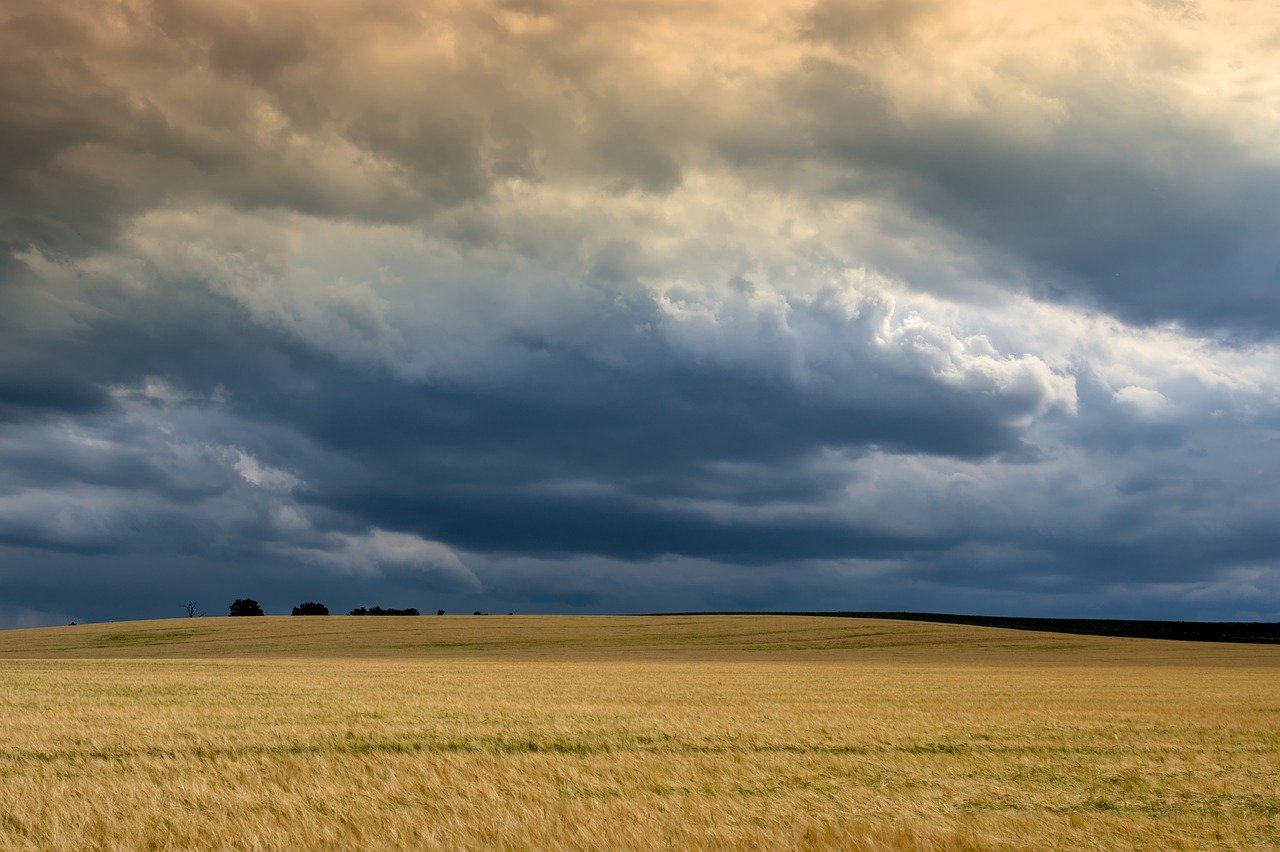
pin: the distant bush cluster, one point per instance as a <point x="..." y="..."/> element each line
<point x="377" y="610"/>
<point x="245" y="606"/>
<point x="248" y="606"/>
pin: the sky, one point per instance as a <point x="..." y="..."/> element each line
<point x="646" y="305"/>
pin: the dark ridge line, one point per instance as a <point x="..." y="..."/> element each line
<point x="1250" y="632"/>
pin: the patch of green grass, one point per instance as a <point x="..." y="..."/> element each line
<point x="140" y="637"/>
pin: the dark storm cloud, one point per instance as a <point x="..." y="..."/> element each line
<point x="572" y="459"/>
<point x="113" y="108"/>
<point x="1121" y="197"/>
<point x="28" y="391"/>
<point x="634" y="306"/>
<point x="1125" y="202"/>
<point x="477" y="468"/>
<point x="480" y="466"/>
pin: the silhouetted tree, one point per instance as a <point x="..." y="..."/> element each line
<point x="377" y="610"/>
<point x="245" y="606"/>
<point x="311" y="608"/>
<point x="439" y="612"/>
<point x="190" y="607"/>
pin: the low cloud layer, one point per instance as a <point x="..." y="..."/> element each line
<point x="626" y="307"/>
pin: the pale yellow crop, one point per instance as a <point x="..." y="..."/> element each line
<point x="708" y="732"/>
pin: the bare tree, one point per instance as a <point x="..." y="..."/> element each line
<point x="190" y="607"/>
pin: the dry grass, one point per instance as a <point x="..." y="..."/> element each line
<point x="631" y="733"/>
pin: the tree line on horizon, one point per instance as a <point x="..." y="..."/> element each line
<point x="250" y="607"/>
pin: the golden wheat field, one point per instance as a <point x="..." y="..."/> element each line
<point x="619" y="733"/>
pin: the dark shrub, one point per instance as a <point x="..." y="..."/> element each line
<point x="245" y="606"/>
<point x="439" y="612"/>
<point x="377" y="610"/>
<point x="311" y="608"/>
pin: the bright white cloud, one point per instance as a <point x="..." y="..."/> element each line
<point x="380" y="551"/>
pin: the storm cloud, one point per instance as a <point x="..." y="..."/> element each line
<point x="636" y="306"/>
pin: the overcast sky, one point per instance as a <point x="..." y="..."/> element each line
<point x="641" y="305"/>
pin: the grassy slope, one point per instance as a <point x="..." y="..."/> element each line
<point x="695" y="636"/>
<point x="578" y="733"/>
<point x="1260" y="632"/>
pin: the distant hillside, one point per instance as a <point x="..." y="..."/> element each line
<point x="1251" y="632"/>
<point x="905" y="638"/>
